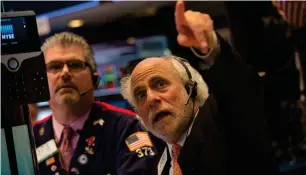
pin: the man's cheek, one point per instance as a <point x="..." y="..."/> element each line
<point x="51" y="87"/>
<point x="144" y="117"/>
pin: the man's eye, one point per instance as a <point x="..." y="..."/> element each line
<point x="76" y="65"/>
<point x="140" y="95"/>
<point x="55" y="67"/>
<point x="160" y="83"/>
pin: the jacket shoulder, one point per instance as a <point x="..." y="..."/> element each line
<point x="109" y="107"/>
<point x="123" y="121"/>
<point x="39" y="123"/>
<point x="116" y="114"/>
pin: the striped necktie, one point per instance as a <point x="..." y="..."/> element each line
<point x="66" y="149"/>
<point x="176" y="149"/>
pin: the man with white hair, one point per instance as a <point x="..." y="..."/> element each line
<point x="222" y="132"/>
<point x="83" y="136"/>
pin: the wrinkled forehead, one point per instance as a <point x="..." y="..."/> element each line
<point x="152" y="67"/>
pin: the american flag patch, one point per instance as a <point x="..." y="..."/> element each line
<point x="138" y="140"/>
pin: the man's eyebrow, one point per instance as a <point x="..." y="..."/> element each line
<point x="154" y="78"/>
<point x="53" y="61"/>
<point x="70" y="59"/>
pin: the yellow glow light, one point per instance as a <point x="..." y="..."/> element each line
<point x="76" y="23"/>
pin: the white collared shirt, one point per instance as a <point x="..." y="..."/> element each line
<point x="181" y="141"/>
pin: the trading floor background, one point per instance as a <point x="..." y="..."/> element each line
<point x="270" y="34"/>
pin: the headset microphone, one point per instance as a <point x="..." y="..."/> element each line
<point x="85" y="92"/>
<point x="191" y="89"/>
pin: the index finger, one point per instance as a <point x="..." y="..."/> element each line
<point x="179" y="14"/>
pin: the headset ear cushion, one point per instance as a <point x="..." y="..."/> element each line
<point x="195" y="90"/>
<point x="96" y="80"/>
<point x="187" y="87"/>
<point x="191" y="86"/>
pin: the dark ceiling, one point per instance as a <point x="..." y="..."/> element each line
<point x="105" y="11"/>
<point x="40" y="7"/>
<point x="111" y="21"/>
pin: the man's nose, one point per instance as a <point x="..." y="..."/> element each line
<point x="153" y="99"/>
<point x="65" y="74"/>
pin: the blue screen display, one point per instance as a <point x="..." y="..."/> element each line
<point x="13" y="30"/>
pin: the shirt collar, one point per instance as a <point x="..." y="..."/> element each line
<point x="75" y="125"/>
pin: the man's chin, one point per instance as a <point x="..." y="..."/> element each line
<point x="68" y="99"/>
<point x="167" y="137"/>
<point x="164" y="134"/>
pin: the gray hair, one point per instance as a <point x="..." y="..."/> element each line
<point x="68" y="39"/>
<point x="202" y="89"/>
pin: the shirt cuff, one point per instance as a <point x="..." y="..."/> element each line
<point x="210" y="57"/>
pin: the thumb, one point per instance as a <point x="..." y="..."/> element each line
<point x="183" y="40"/>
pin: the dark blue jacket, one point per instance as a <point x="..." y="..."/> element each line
<point x="110" y="153"/>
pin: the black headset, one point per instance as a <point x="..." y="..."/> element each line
<point x="191" y="85"/>
<point x="191" y="88"/>
<point x="95" y="75"/>
<point x="95" y="79"/>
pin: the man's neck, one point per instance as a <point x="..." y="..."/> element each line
<point x="186" y="133"/>
<point x="181" y="139"/>
<point x="66" y="114"/>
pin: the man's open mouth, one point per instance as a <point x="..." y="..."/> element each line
<point x="161" y="115"/>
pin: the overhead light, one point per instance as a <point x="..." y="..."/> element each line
<point x="76" y="23"/>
